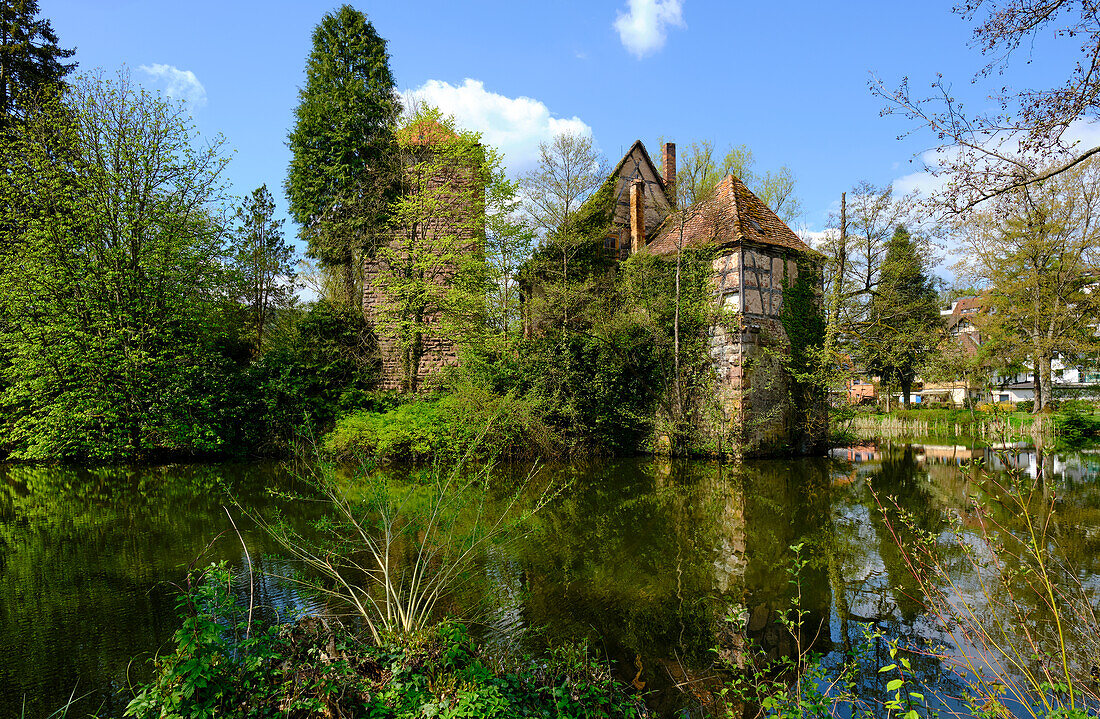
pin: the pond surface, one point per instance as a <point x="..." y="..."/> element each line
<point x="657" y="563"/>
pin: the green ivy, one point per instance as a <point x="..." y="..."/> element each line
<point x="804" y="323"/>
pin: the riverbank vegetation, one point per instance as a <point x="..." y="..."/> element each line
<point x="1074" y="424"/>
<point x="222" y="665"/>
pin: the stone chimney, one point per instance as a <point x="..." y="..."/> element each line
<point x="637" y="215"/>
<point x="668" y="166"/>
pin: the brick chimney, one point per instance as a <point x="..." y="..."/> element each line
<point x="668" y="166"/>
<point x="637" y="215"/>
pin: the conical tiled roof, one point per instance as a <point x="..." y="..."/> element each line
<point x="732" y="214"/>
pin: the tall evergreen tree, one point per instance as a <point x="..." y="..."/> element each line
<point x="344" y="159"/>
<point x="264" y="263"/>
<point x="903" y="325"/>
<point x="30" y="58"/>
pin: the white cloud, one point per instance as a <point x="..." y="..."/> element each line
<point x="815" y="238"/>
<point x="176" y="84"/>
<point x="922" y="182"/>
<point x="642" y="28"/>
<point x="514" y="125"/>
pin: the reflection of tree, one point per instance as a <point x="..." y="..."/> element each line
<point x="900" y="476"/>
<point x="86" y="561"/>
<point x="651" y="557"/>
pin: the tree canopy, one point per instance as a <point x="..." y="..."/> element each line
<point x="1035" y="250"/>
<point x="110" y="284"/>
<point x="30" y="57"/>
<point x="903" y="325"/>
<point x="344" y="159"/>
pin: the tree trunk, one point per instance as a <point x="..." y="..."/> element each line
<point x="1037" y="396"/>
<point x="1044" y="385"/>
<point x="906" y="387"/>
<point x="349" y="278"/>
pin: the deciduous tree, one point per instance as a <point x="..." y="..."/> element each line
<point x="706" y="169"/>
<point x="570" y="170"/>
<point x="509" y="240"/>
<point x="987" y="153"/>
<point x="112" y="288"/>
<point x="1035" y="250"/>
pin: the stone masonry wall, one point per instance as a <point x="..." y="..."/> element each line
<point x="748" y="345"/>
<point x="457" y="220"/>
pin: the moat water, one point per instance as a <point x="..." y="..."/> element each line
<point x="657" y="563"/>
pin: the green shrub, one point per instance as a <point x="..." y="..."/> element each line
<point x="1074" y="428"/>
<point x="1025" y="405"/>
<point x="321" y="365"/>
<point x="318" y="668"/>
<point x="505" y="425"/>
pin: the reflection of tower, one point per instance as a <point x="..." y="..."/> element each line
<point x="749" y="517"/>
<point x="783" y="508"/>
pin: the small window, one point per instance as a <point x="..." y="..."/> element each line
<point x="1002" y="398"/>
<point x="611" y="242"/>
<point x="731" y="301"/>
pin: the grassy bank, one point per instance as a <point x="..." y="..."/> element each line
<point x="1073" y="425"/>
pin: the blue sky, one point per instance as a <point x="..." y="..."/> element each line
<point x="787" y="79"/>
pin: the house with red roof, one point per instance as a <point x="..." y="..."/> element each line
<point x="756" y="258"/>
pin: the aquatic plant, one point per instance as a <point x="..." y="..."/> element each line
<point x="316" y="667"/>
<point x="391" y="553"/>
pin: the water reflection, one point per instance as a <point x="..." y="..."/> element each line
<point x="88" y="558"/>
<point x="657" y="563"/>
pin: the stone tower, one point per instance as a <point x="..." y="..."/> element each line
<point x="441" y="221"/>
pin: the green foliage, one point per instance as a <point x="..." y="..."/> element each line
<point x="804" y="323"/>
<point x="263" y="263"/>
<point x="598" y="390"/>
<point x="502" y="425"/>
<point x="431" y="273"/>
<point x="312" y="668"/>
<point x="671" y="300"/>
<point x="116" y="338"/>
<point x="321" y="365"/>
<point x="197" y="678"/>
<point x="1075" y="428"/>
<point x="30" y="58"/>
<point x="904" y="323"/>
<point x="343" y="152"/>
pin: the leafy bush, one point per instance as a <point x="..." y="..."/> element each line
<point x="321" y="365"/>
<point x="601" y="391"/>
<point x="505" y="424"/>
<point x="1025" y="405"/>
<point x="1076" y="406"/>
<point x="314" y="668"/>
<point x="1074" y="428"/>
